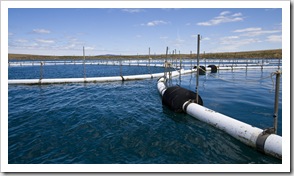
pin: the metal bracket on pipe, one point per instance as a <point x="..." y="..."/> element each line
<point x="162" y="91"/>
<point x="163" y="78"/>
<point x="262" y="138"/>
<point x="186" y="104"/>
<point x="122" y="78"/>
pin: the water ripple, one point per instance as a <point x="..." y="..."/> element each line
<point x="125" y="122"/>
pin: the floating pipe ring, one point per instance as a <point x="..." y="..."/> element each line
<point x="213" y="68"/>
<point x="174" y="97"/>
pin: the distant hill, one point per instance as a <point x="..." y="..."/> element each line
<point x="275" y="54"/>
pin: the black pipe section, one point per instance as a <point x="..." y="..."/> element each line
<point x="174" y="97"/>
<point x="213" y="68"/>
<point x="202" y="70"/>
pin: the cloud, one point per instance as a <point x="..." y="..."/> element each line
<point x="229" y="38"/>
<point x="178" y="42"/>
<point x="231" y="43"/>
<point x="21" y="41"/>
<point x="274" y="38"/>
<point x="23" y="44"/>
<point x="251" y="32"/>
<point x="237" y="14"/>
<point x="89" y="48"/>
<point x="72" y="43"/>
<point x="202" y="39"/>
<point x="41" y="31"/>
<point x="205" y="38"/>
<point x="17" y="43"/>
<point x="163" y="37"/>
<point x="69" y="46"/>
<point x="256" y="33"/>
<point x="224" y="13"/>
<point x="50" y="45"/>
<point x="224" y="17"/>
<point x="154" y="23"/>
<point x="247" y="30"/>
<point x="43" y="41"/>
<point x="133" y="10"/>
<point x="194" y="35"/>
<point x="236" y="40"/>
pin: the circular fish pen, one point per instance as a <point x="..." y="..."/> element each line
<point x="125" y="122"/>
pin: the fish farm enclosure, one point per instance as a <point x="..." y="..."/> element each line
<point x="124" y="122"/>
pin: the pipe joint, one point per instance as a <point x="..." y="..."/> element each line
<point x="262" y="138"/>
<point x="186" y="104"/>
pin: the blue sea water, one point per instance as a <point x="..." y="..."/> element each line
<point x="125" y="122"/>
<point x="76" y="71"/>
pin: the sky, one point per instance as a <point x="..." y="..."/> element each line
<point x="120" y="31"/>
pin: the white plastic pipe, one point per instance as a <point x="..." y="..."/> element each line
<point x="237" y="129"/>
<point x="64" y="80"/>
<point x="94" y="79"/>
<point x="161" y="85"/>
<point x="240" y="68"/>
<point x="249" y="135"/>
<point x="114" y="78"/>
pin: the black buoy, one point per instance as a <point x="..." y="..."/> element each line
<point x="202" y="70"/>
<point x="213" y="68"/>
<point x="174" y="97"/>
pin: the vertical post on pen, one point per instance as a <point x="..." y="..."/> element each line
<point x="197" y="76"/>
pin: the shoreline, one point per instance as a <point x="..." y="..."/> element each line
<point x="259" y="54"/>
